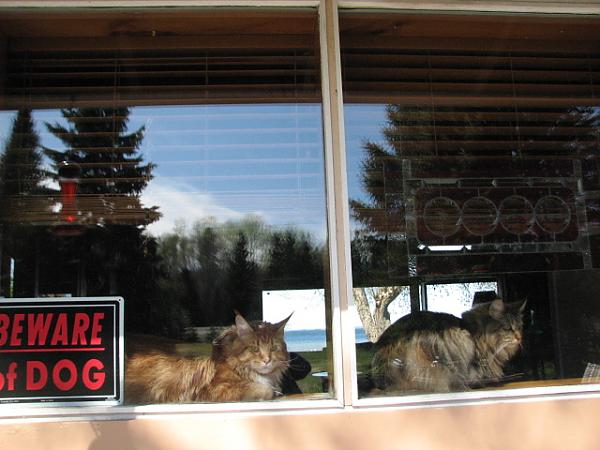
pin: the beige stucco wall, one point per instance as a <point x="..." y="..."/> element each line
<point x="543" y="424"/>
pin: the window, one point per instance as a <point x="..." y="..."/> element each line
<point x="472" y="148"/>
<point x="182" y="160"/>
<point x="175" y="159"/>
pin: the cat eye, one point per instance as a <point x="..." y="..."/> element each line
<point x="253" y="348"/>
<point x="276" y="347"/>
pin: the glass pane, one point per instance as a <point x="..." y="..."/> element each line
<point x="472" y="149"/>
<point x="174" y="159"/>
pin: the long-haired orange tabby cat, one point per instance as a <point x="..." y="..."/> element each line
<point x="247" y="363"/>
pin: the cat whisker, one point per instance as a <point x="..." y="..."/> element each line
<point x="287" y="362"/>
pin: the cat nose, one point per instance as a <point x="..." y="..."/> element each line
<point x="518" y="336"/>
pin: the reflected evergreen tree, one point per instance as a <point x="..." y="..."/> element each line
<point x="278" y="255"/>
<point x="98" y="140"/>
<point x="243" y="283"/>
<point x="378" y="247"/>
<point x="21" y="171"/>
<point x="294" y="262"/>
<point x="208" y="305"/>
<point x="379" y="250"/>
<point x="381" y="180"/>
<point x="21" y="176"/>
<point x="113" y="248"/>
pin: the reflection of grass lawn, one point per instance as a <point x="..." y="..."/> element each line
<point x="363" y="359"/>
<point x="193" y="349"/>
<point x="320" y="363"/>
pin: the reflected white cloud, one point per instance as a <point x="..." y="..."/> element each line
<point x="179" y="202"/>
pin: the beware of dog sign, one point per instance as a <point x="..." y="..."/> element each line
<point x="61" y="350"/>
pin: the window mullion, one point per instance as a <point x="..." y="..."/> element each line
<point x="337" y="196"/>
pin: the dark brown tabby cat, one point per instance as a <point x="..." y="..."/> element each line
<point x="247" y="363"/>
<point x="437" y="352"/>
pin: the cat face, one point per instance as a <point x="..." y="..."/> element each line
<point x="501" y="324"/>
<point x="261" y="347"/>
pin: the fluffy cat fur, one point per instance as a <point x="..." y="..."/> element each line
<point x="437" y="352"/>
<point x="247" y="363"/>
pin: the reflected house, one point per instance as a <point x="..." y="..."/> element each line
<point x="91" y="210"/>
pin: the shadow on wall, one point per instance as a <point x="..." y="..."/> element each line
<point x="173" y="433"/>
<point x="466" y="427"/>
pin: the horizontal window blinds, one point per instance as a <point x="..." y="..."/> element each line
<point x="49" y="78"/>
<point x="211" y="115"/>
<point x="471" y="77"/>
<point x="146" y="65"/>
<point x="473" y="95"/>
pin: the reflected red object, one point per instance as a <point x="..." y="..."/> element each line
<point x="68" y="180"/>
<point x="68" y="198"/>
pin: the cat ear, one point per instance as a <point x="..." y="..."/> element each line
<point x="281" y="325"/>
<point x="522" y="306"/>
<point x="517" y="307"/>
<point x="243" y="327"/>
<point x="497" y="308"/>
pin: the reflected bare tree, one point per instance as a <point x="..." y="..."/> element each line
<point x="376" y="321"/>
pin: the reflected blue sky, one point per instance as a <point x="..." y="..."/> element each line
<point x="362" y="122"/>
<point x="231" y="161"/>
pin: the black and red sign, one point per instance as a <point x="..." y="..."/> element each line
<point x="67" y="350"/>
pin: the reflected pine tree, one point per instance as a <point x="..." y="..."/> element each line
<point x="208" y="279"/>
<point x="378" y="247"/>
<point x="112" y="256"/>
<point x="98" y="140"/>
<point x="21" y="171"/>
<point x="379" y="252"/>
<point x="243" y="282"/>
<point x="21" y="176"/>
<point x="294" y="262"/>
